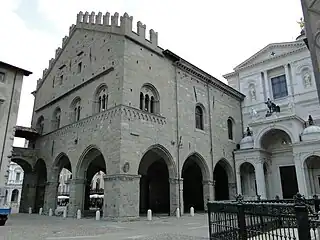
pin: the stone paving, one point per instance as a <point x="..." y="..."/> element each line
<point x="35" y="227"/>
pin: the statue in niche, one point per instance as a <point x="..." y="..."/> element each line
<point x="252" y="92"/>
<point x="253" y="113"/>
<point x="307" y="80"/>
<point x="272" y="107"/>
<point x="248" y="132"/>
<point x="310" y="120"/>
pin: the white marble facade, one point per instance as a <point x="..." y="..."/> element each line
<point x="14" y="187"/>
<point x="281" y="154"/>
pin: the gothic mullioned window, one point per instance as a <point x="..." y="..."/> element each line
<point x="199" y="118"/>
<point x="76" y="109"/>
<point x="101" y="99"/>
<point x="40" y="124"/>
<point x="56" y="118"/>
<point x="149" y="99"/>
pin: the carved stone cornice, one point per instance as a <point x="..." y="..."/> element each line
<point x="121" y="177"/>
<point x="118" y="111"/>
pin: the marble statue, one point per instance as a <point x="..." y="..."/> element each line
<point x="253" y="113"/>
<point x="252" y="92"/>
<point x="307" y="80"/>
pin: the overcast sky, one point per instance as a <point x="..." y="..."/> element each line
<point x="213" y="35"/>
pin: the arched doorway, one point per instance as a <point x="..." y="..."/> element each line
<point x="154" y="181"/>
<point x="312" y="172"/>
<point x="279" y="155"/>
<point x="27" y="191"/>
<point x="41" y="172"/>
<point x="248" y="180"/>
<point x="92" y="163"/>
<point x="221" y="180"/>
<point x="192" y="183"/>
<point x="15" y="196"/>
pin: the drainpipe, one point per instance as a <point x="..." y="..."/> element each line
<point x="178" y="137"/>
<point x="8" y="117"/>
<point x="210" y="131"/>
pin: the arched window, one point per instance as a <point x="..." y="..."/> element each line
<point x="101" y="99"/>
<point x="199" y="117"/>
<point x="141" y="100"/>
<point x="146" y="103"/>
<point x="230" y="129"/>
<point x="149" y="99"/>
<point x="56" y="118"/>
<point x="98" y="184"/>
<point x="40" y="124"/>
<point x="76" y="109"/>
<point x="15" y="195"/>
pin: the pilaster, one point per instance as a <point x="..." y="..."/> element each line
<point x="238" y="182"/>
<point x="208" y="192"/>
<point x="76" y="199"/>
<point x="288" y="79"/>
<point x="121" y="197"/>
<point x="50" y="198"/>
<point x="261" y="184"/>
<point x="176" y="195"/>
<point x="301" y="176"/>
<point x="28" y="195"/>
<point x="232" y="190"/>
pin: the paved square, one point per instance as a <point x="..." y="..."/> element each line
<point x="35" y="227"/>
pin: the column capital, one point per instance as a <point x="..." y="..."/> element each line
<point x="121" y="177"/>
<point x="48" y="183"/>
<point x="77" y="181"/>
<point x="175" y="180"/>
<point x="208" y="182"/>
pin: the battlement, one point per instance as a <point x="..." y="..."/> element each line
<point x="120" y="25"/>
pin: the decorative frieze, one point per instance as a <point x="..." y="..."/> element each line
<point x="122" y="177"/>
<point x="175" y="180"/>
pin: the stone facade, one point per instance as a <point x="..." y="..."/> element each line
<point x="14" y="187"/>
<point x="113" y="101"/>
<point x="11" y="79"/>
<point x="278" y="154"/>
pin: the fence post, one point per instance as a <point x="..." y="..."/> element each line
<point x="209" y="219"/>
<point x="316" y="203"/>
<point x="301" y="210"/>
<point x="241" y="218"/>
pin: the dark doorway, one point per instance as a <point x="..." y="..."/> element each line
<point x="154" y="189"/>
<point x="289" y="181"/>
<point x="221" y="183"/>
<point x="41" y="172"/>
<point x="192" y="186"/>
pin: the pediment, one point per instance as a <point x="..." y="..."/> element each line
<point x="272" y="51"/>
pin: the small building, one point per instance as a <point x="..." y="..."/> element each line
<point x="11" y="78"/>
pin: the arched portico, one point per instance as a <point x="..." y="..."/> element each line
<point x="248" y="180"/>
<point x="194" y="173"/>
<point x="156" y="169"/>
<point x="61" y="162"/>
<point x="41" y="170"/>
<point x="311" y="168"/>
<point x="90" y="162"/>
<point x="224" y="181"/>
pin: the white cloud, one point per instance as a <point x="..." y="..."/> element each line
<point x="214" y="35"/>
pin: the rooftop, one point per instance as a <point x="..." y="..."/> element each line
<point x="7" y="65"/>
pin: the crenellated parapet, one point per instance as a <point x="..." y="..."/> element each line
<point x="120" y="25"/>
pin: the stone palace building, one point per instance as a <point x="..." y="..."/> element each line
<point x="165" y="133"/>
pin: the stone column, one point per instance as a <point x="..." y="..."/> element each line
<point x="238" y="182"/>
<point x="76" y="199"/>
<point x="28" y="195"/>
<point x="51" y="196"/>
<point x="288" y="79"/>
<point x="266" y="85"/>
<point x="176" y="195"/>
<point x="261" y="184"/>
<point x="232" y="190"/>
<point x="301" y="176"/>
<point x="121" y="197"/>
<point x="208" y="192"/>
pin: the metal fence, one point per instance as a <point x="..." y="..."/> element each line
<point x="291" y="220"/>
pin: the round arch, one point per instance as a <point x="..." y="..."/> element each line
<point x="153" y="89"/>
<point x="248" y="180"/>
<point x="25" y="165"/>
<point x="265" y="130"/>
<point x="223" y="177"/>
<point x="61" y="161"/>
<point x="164" y="154"/>
<point x="201" y="163"/>
<point x="97" y="104"/>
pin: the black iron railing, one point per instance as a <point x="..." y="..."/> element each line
<point x="264" y="219"/>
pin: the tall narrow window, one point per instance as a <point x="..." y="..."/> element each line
<point x="53" y="79"/>
<point x="101" y="99"/>
<point x="230" y="129"/>
<point x="18" y="176"/>
<point x="199" y="118"/>
<point x="141" y="101"/>
<point x="40" y="124"/>
<point x="152" y="104"/>
<point x="146" y="103"/>
<point x="279" y="87"/>
<point x="76" y="109"/>
<point x="104" y="102"/>
<point x="56" y="118"/>
<point x="78" y="113"/>
<point x="61" y="79"/>
<point x="2" y="75"/>
<point x="79" y="67"/>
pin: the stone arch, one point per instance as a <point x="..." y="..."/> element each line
<point x="265" y="130"/>
<point x="311" y="168"/>
<point x="101" y="98"/>
<point x="156" y="168"/>
<point x="149" y="98"/>
<point x="248" y="180"/>
<point x="61" y="161"/>
<point x="224" y="182"/>
<point x="194" y="172"/>
<point x="24" y="164"/>
<point x="90" y="162"/>
<point x="202" y="164"/>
